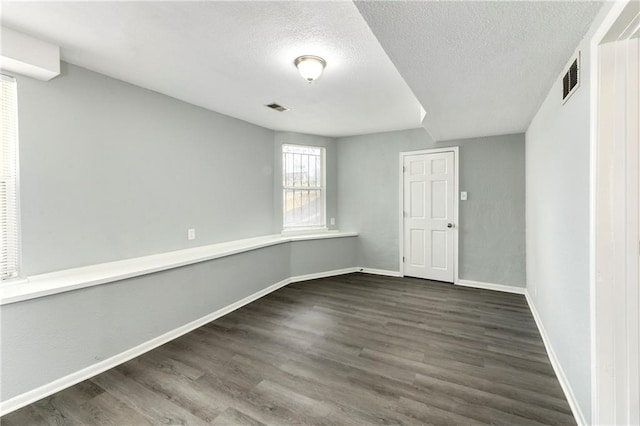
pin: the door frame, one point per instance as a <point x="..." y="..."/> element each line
<point x="456" y="201"/>
<point x="614" y="206"/>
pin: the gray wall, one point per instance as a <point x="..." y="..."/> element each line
<point x="558" y="224"/>
<point x="282" y="138"/>
<point x="315" y="256"/>
<point x="112" y="171"/>
<point x="492" y="228"/>
<point x="50" y="337"/>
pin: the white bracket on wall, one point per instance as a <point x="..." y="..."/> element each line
<point x="28" y="56"/>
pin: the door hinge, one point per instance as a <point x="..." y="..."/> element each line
<point x="404" y="169"/>
<point x="402" y="259"/>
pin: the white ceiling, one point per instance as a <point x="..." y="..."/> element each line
<point x="479" y="68"/>
<point x="235" y="57"/>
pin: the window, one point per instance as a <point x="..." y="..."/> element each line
<point x="8" y="179"/>
<point x="303" y="186"/>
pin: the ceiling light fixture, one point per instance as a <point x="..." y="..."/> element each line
<point x="310" y="67"/>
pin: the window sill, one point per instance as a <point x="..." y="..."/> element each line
<point x="72" y="279"/>
<point x="306" y="231"/>
<point x="14" y="281"/>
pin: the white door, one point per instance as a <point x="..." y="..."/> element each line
<point x="428" y="216"/>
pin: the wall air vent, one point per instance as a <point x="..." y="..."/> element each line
<point x="278" y="107"/>
<point x="571" y="79"/>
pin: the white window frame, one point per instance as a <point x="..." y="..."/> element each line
<point x="9" y="174"/>
<point x="323" y="193"/>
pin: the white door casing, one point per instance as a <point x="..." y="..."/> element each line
<point x="615" y="227"/>
<point x="428" y="225"/>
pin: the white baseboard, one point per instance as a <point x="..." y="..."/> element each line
<point x="62" y="383"/>
<point x="326" y="274"/>
<point x="490" y="286"/>
<point x="383" y="272"/>
<point x="557" y="368"/>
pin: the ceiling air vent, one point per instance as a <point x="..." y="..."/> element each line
<point x="571" y="79"/>
<point x="278" y="107"/>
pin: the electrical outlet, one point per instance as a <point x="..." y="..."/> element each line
<point x="191" y="234"/>
<point x="333" y="220"/>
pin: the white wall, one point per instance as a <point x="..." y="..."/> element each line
<point x="558" y="225"/>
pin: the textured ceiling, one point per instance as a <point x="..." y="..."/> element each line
<point x="234" y="57"/>
<point x="479" y="68"/>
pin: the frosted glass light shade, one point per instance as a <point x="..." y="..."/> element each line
<point x="310" y="67"/>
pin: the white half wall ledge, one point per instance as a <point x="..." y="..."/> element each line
<point x="76" y="278"/>
<point x="28" y="56"/>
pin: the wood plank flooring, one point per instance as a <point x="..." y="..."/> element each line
<point x="350" y="350"/>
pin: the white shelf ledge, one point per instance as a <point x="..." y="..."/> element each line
<point x="72" y="279"/>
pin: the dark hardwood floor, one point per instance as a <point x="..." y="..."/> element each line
<point x="349" y="350"/>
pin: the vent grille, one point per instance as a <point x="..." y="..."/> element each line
<point x="277" y="107"/>
<point x="571" y="79"/>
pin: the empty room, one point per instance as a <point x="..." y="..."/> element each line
<point x="306" y="212"/>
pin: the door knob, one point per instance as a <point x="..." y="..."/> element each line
<point x="449" y="225"/>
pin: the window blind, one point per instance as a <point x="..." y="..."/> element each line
<point x="8" y="178"/>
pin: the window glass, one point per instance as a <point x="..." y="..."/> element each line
<point x="303" y="186"/>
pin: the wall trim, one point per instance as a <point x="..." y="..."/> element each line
<point x="383" y="272"/>
<point x="614" y="203"/>
<point x="555" y="363"/>
<point x="62" y="383"/>
<point x="491" y="286"/>
<point x="326" y="274"/>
